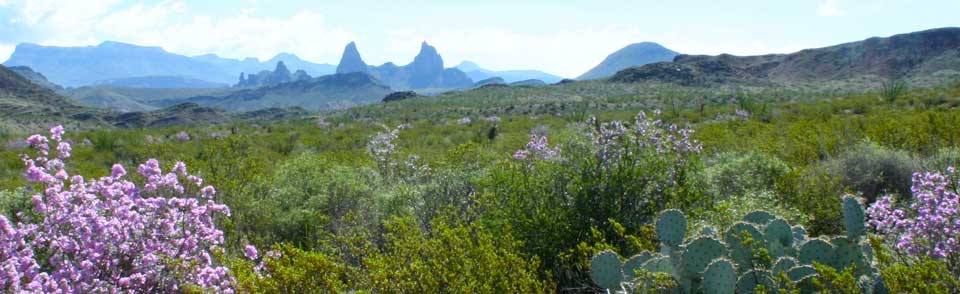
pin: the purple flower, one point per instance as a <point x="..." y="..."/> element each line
<point x="109" y="235"/>
<point x="250" y="252"/>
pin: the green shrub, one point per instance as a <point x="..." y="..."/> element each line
<point x="873" y="170"/>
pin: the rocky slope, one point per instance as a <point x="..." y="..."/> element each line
<point x="922" y="58"/>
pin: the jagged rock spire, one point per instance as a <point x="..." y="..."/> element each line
<point x="351" y="61"/>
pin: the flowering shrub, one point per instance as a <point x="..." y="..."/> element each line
<point x="930" y="225"/>
<point x="614" y="140"/>
<point x="465" y="121"/>
<point x="182" y="136"/>
<point x="110" y="234"/>
<point x="538" y="148"/>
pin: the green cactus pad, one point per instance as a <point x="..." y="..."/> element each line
<point x="799" y="234"/>
<point x="660" y="265"/>
<point x="849" y="253"/>
<point x="818" y="250"/>
<point x="605" y="270"/>
<point x="636" y="262"/>
<point x="808" y="284"/>
<point x="779" y="237"/>
<point x="739" y="252"/>
<point x="747" y="283"/>
<point x="783" y="264"/>
<point x="699" y="253"/>
<point x="720" y="277"/>
<point x="708" y="231"/>
<point x="797" y="273"/>
<point x="671" y="226"/>
<point x="759" y="217"/>
<point x="853" y="217"/>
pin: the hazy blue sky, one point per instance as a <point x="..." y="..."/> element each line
<point x="564" y="37"/>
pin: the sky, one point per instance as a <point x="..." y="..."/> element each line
<point x="565" y="37"/>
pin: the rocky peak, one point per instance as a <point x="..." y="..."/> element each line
<point x="351" y="60"/>
<point x="425" y="68"/>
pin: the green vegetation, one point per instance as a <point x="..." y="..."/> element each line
<point x="425" y="195"/>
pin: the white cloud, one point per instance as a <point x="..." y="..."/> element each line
<point x="829" y="8"/>
<point x="5" y="51"/>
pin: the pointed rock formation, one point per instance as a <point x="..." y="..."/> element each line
<point x="281" y="74"/>
<point x="351" y="61"/>
<point x="425" y="68"/>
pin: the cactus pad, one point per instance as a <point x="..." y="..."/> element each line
<point x="699" y="253"/>
<point x="708" y="231"/>
<point x="848" y="252"/>
<point x="634" y="263"/>
<point x="671" y="225"/>
<point x="797" y="273"/>
<point x="747" y="283"/>
<point x="660" y="265"/>
<point x="758" y="217"/>
<point x="784" y="264"/>
<point x="720" y="277"/>
<point x="605" y="270"/>
<point x="779" y="237"/>
<point x="818" y="250"/>
<point x="799" y="234"/>
<point x="853" y="217"/>
<point x="739" y="251"/>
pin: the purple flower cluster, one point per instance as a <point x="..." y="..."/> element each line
<point x="182" y="136"/>
<point x="930" y="225"/>
<point x="538" y="148"/>
<point x="614" y="140"/>
<point x="109" y="235"/>
<point x="742" y="114"/>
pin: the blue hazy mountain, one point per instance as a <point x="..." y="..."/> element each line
<point x="476" y="73"/>
<point x="88" y="65"/>
<point x="425" y="72"/>
<point x="633" y="55"/>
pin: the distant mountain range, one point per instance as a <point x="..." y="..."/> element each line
<point x="112" y="61"/>
<point x="326" y="92"/>
<point x="633" y="55"/>
<point x="425" y="72"/>
<point x="922" y="58"/>
<point x="476" y="73"/>
<point x="281" y="74"/>
<point x="28" y="107"/>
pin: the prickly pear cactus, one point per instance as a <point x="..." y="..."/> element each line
<point x="783" y="264"/>
<point x="797" y="273"/>
<point x="720" y="277"/>
<point x="818" y="250"/>
<point x="739" y="251"/>
<point x="671" y="226"/>
<point x="634" y="263"/>
<point x="799" y="234"/>
<point x="708" y="231"/>
<point x="779" y="237"/>
<point x="605" y="270"/>
<point x="699" y="253"/>
<point x="747" y="283"/>
<point x="853" y="217"/>
<point x="849" y="253"/>
<point x="758" y="217"/>
<point x="660" y="264"/>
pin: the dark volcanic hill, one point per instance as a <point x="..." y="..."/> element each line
<point x="326" y="92"/>
<point x="922" y="58"/>
<point x="633" y="55"/>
